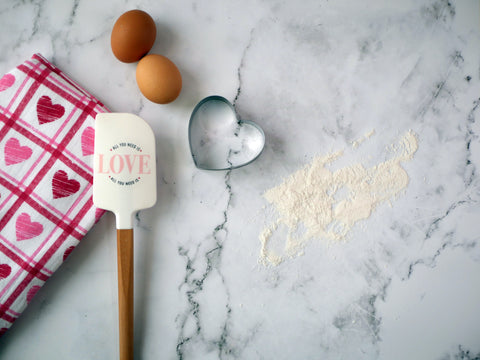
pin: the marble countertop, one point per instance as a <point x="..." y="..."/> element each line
<point x="316" y="76"/>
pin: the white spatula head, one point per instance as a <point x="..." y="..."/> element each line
<point x="124" y="178"/>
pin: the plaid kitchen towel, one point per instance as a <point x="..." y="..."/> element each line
<point x="46" y="175"/>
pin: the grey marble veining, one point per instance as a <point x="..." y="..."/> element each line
<point x="316" y="76"/>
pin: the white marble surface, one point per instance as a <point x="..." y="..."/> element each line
<point x="316" y="75"/>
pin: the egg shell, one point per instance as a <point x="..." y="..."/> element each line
<point x="133" y="36"/>
<point x="158" y="78"/>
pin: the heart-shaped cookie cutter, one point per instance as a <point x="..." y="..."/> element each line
<point x="219" y="140"/>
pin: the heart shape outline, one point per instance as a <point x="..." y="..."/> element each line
<point x="62" y="186"/>
<point x="47" y="111"/>
<point x="16" y="153"/>
<point x="240" y="123"/>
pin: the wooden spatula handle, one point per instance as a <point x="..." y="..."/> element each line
<point x="125" y="292"/>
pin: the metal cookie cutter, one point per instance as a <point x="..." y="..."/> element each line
<point x="219" y="140"/>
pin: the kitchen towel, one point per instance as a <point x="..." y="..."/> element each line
<point x="46" y="176"/>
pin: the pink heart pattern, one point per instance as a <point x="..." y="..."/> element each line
<point x="31" y="292"/>
<point x="88" y="137"/>
<point x="68" y="252"/>
<point x="62" y="186"/>
<point x="53" y="132"/>
<point x="6" y="81"/>
<point x="47" y="111"/>
<point x="5" y="271"/>
<point x="98" y="214"/>
<point x="15" y="153"/>
<point x="25" y="228"/>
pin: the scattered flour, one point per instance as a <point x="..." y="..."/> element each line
<point x="315" y="202"/>
<point x="367" y="136"/>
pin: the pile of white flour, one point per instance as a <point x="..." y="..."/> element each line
<point x="308" y="204"/>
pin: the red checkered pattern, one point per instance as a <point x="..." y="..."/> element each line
<point x="46" y="176"/>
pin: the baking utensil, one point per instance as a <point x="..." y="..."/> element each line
<point x="124" y="182"/>
<point x="219" y="140"/>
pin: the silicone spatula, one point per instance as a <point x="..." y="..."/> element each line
<point x="124" y="181"/>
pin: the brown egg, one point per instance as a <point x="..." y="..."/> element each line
<point x="133" y="36"/>
<point x="158" y="79"/>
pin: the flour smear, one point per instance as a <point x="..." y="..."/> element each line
<point x="315" y="202"/>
